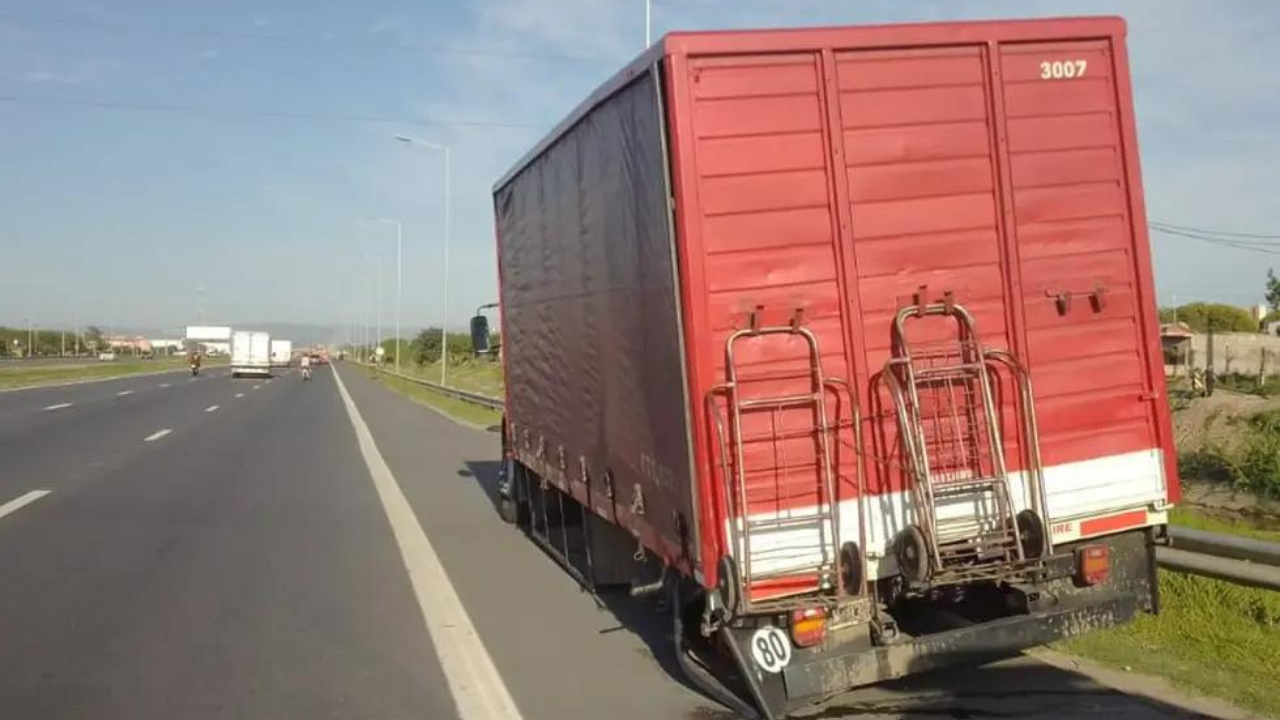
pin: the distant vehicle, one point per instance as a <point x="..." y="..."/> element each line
<point x="250" y="353"/>
<point x="281" y="353"/>
<point x="107" y="355"/>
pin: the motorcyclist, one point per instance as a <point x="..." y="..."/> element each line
<point x="194" y="361"/>
<point x="305" y="364"/>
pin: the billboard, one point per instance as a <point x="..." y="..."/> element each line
<point x="206" y="332"/>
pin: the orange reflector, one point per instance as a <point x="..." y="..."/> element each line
<point x="808" y="626"/>
<point x="1093" y="564"/>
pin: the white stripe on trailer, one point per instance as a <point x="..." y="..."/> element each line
<point x="1094" y="488"/>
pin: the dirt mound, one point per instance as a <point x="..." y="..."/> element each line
<point x="1214" y="420"/>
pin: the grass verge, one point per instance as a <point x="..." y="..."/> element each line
<point x="480" y="376"/>
<point x="458" y="409"/>
<point x="37" y="376"/>
<point x="1211" y="637"/>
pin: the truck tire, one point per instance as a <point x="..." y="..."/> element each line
<point x="1032" y="532"/>
<point x="912" y="554"/>
<point x="512" y="505"/>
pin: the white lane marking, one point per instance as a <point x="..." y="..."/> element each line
<point x="211" y="408"/>
<point x="255" y="387"/>
<point x="122" y="393"/>
<point x="21" y="501"/>
<point x="164" y="385"/>
<point x="239" y="395"/>
<point x="192" y="379"/>
<point x="156" y="435"/>
<point x="478" y="690"/>
<point x="268" y="382"/>
<point x="59" y="406"/>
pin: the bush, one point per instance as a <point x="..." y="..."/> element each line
<point x="1256" y="466"/>
<point x="1224" y="318"/>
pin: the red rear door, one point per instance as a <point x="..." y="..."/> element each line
<point x="1083" y="301"/>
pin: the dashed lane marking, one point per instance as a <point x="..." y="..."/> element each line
<point x="21" y="501"/>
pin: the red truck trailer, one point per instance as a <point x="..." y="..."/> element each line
<point x="845" y="338"/>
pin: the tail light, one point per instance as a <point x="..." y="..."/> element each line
<point x="808" y="626"/>
<point x="1093" y="564"/>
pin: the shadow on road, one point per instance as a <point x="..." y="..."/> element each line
<point x="1019" y="687"/>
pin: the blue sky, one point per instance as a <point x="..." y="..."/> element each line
<point x="149" y="148"/>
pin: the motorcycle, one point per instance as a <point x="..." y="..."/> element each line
<point x="306" y="373"/>
<point x="195" y="369"/>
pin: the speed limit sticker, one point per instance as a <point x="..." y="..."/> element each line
<point x="771" y="649"/>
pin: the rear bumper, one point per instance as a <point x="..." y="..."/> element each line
<point x="972" y="645"/>
<point x="250" y="370"/>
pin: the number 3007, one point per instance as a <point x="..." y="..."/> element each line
<point x="1062" y="69"/>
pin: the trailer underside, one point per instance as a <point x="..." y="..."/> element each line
<point x="917" y="629"/>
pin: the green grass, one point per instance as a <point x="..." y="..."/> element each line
<point x="481" y="376"/>
<point x="465" y="411"/>
<point x="1198" y="520"/>
<point x="38" y="375"/>
<point x="1210" y="637"/>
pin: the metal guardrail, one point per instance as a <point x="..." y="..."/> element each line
<point x="1239" y="560"/>
<point x="475" y="398"/>
<point x="1235" y="559"/>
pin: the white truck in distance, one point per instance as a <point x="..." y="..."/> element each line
<point x="250" y="353"/>
<point x="281" y="353"/>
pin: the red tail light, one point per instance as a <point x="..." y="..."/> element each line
<point x="808" y="626"/>
<point x="1093" y="564"/>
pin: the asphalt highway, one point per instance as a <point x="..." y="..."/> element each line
<point x="178" y="548"/>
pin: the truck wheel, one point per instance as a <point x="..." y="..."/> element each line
<point x="912" y="554"/>
<point x="511" y="493"/>
<point x="1032" y="532"/>
<point x="728" y="585"/>
<point x="851" y="568"/>
<point x="508" y="510"/>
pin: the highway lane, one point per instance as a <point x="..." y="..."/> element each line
<point x="22" y="401"/>
<point x="242" y="565"/>
<point x="239" y="567"/>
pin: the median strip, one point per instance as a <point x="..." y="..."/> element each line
<point x="156" y="435"/>
<point x="21" y="501"/>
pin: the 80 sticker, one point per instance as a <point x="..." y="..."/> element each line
<point x="771" y="649"/>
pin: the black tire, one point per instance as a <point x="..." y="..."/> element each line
<point x="1031" y="530"/>
<point x="513" y="507"/>
<point x="851" y="568"/>
<point x="912" y="553"/>
<point x="728" y="584"/>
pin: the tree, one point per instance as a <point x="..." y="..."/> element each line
<point x="93" y="337"/>
<point x="1224" y="318"/>
<point x="1273" y="290"/>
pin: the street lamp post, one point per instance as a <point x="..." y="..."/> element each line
<point x="648" y="21"/>
<point x="448" y="181"/>
<point x="399" y="277"/>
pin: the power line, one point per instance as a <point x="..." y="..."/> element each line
<point x="257" y="112"/>
<point x="1216" y="233"/>
<point x="329" y="43"/>
<point x="1257" y="247"/>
